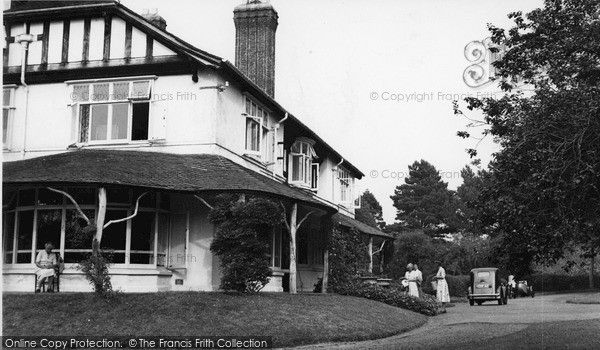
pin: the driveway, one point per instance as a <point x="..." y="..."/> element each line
<point x="543" y="322"/>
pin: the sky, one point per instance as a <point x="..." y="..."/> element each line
<point x="375" y="79"/>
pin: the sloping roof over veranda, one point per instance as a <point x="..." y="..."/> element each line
<point x="347" y="221"/>
<point x="189" y="173"/>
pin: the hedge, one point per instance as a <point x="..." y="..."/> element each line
<point x="457" y="285"/>
<point x="392" y="296"/>
<point x="554" y="283"/>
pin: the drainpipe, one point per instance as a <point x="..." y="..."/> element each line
<point x="275" y="128"/>
<point x="333" y="176"/>
<point x="24" y="40"/>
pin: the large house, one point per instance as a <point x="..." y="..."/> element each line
<point x="98" y="96"/>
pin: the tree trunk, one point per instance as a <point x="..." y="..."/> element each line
<point x="98" y="286"/>
<point x="370" y="268"/>
<point x="293" y="229"/>
<point x="101" y="213"/>
<point x="592" y="267"/>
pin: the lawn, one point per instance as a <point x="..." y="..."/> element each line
<point x="290" y="319"/>
<point x="585" y="298"/>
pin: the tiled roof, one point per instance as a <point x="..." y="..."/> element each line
<point x="347" y="221"/>
<point x="166" y="171"/>
<point x="27" y="9"/>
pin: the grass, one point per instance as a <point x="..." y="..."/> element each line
<point x="290" y="319"/>
<point x="586" y="298"/>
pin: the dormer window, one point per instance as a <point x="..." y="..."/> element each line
<point x="111" y="111"/>
<point x="256" y="127"/>
<point x="302" y="170"/>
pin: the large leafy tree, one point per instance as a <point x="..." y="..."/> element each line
<point x="424" y="201"/>
<point x="370" y="211"/>
<point x="542" y="193"/>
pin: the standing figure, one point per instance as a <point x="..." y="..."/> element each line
<point x="443" y="294"/>
<point x="419" y="276"/>
<point x="46" y="261"/>
<point x="413" y="280"/>
<point x="404" y="280"/>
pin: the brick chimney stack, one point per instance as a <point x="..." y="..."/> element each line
<point x="256" y="24"/>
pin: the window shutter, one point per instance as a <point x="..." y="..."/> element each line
<point x="158" y="120"/>
<point x="314" y="176"/>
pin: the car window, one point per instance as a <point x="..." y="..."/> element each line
<point x="483" y="274"/>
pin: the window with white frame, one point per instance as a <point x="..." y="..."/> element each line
<point x="8" y="106"/>
<point x="256" y="129"/>
<point x="111" y="111"/>
<point x="302" y="169"/>
<point x="346" y="182"/>
<point x="34" y="216"/>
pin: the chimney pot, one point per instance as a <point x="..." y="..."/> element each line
<point x="152" y="16"/>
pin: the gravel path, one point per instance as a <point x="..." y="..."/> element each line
<point x="544" y="322"/>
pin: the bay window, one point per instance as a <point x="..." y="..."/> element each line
<point x="302" y="170"/>
<point x="111" y="111"/>
<point x="35" y="216"/>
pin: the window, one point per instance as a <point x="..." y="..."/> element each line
<point x="7" y="114"/>
<point x="301" y="168"/>
<point x="309" y="245"/>
<point x="346" y="185"/>
<point x="256" y="129"/>
<point x="116" y="111"/>
<point x="35" y="216"/>
<point x="276" y="247"/>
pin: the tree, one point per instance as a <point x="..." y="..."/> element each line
<point x="424" y="201"/>
<point x="95" y="267"/>
<point x="242" y="240"/>
<point x="465" y="218"/>
<point x="542" y="196"/>
<point x="370" y="211"/>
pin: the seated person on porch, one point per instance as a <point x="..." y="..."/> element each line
<point x="46" y="262"/>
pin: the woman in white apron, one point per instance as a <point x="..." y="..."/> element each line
<point x="443" y="294"/>
<point x="46" y="261"/>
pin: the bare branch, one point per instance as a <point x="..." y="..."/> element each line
<point x="137" y="206"/>
<point x="287" y="225"/>
<point x="380" y="249"/>
<point x="204" y="202"/>
<point x="83" y="216"/>
<point x="304" y="218"/>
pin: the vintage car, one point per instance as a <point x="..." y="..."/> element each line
<point x="487" y="286"/>
<point x="523" y="290"/>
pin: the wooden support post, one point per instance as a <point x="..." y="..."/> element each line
<point x="327" y="230"/>
<point x="370" y="268"/>
<point x="101" y="213"/>
<point x="293" y="229"/>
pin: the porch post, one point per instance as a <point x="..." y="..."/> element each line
<point x="327" y="226"/>
<point x="370" y="269"/>
<point x="293" y="229"/>
<point x="101" y="214"/>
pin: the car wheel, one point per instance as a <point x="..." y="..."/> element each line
<point x="479" y="303"/>
<point x="471" y="302"/>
